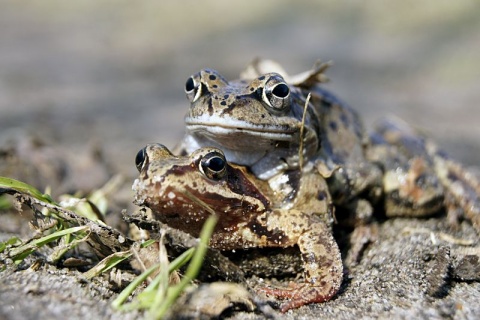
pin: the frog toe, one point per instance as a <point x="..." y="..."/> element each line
<point x="300" y="294"/>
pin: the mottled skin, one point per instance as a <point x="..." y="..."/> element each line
<point x="410" y="183"/>
<point x="250" y="128"/>
<point x="286" y="200"/>
<point x="421" y="179"/>
<point x="259" y="126"/>
<point x="183" y="191"/>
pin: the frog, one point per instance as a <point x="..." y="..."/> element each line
<point x="274" y="123"/>
<point x="295" y="208"/>
<point x="285" y="211"/>
<point x="288" y="133"/>
<point x="271" y="123"/>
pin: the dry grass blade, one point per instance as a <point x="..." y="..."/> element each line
<point x="302" y="129"/>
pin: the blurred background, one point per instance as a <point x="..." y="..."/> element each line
<point x="112" y="73"/>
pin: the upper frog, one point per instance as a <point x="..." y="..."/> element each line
<point x="183" y="191"/>
<point x="276" y="124"/>
<point x="265" y="121"/>
<point x="256" y="122"/>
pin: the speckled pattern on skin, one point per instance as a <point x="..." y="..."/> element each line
<point x="268" y="108"/>
<point x="393" y="165"/>
<point x="183" y="191"/>
<point x="394" y="168"/>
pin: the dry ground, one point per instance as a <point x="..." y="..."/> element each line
<point x="109" y="76"/>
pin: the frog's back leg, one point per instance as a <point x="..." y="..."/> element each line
<point x="419" y="178"/>
<point x="411" y="186"/>
<point x="462" y="185"/>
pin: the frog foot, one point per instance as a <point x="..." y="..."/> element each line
<point x="360" y="238"/>
<point x="300" y="294"/>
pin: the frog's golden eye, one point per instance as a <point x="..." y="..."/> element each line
<point x="213" y="165"/>
<point x="193" y="88"/>
<point x="276" y="94"/>
<point x="140" y="158"/>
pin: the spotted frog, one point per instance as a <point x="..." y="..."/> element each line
<point x="274" y="123"/>
<point x="296" y="153"/>
<point x="288" y="210"/>
<point x="265" y="121"/>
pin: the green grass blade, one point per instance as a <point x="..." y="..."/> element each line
<point x="19" y="253"/>
<point x="150" y="299"/>
<point x="158" y="311"/>
<point x="22" y="187"/>
<point x="123" y="296"/>
<point x="108" y="263"/>
<point x="5" y="202"/>
<point x="13" y="241"/>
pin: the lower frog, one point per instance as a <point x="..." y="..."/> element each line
<point x="288" y="210"/>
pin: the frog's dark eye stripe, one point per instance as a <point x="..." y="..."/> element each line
<point x="213" y="165"/>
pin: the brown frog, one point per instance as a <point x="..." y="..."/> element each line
<point x="289" y="210"/>
<point x="295" y="207"/>
<point x="299" y="156"/>
<point x="265" y="121"/>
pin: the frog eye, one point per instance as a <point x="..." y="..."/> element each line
<point x="140" y="158"/>
<point x="213" y="165"/>
<point x="153" y="151"/>
<point x="276" y="94"/>
<point x="193" y="88"/>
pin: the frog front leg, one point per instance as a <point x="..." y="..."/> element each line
<point x="323" y="268"/>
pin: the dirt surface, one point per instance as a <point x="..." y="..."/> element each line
<point x="94" y="82"/>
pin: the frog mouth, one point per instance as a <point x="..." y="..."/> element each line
<point x="240" y="139"/>
<point x="220" y="130"/>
